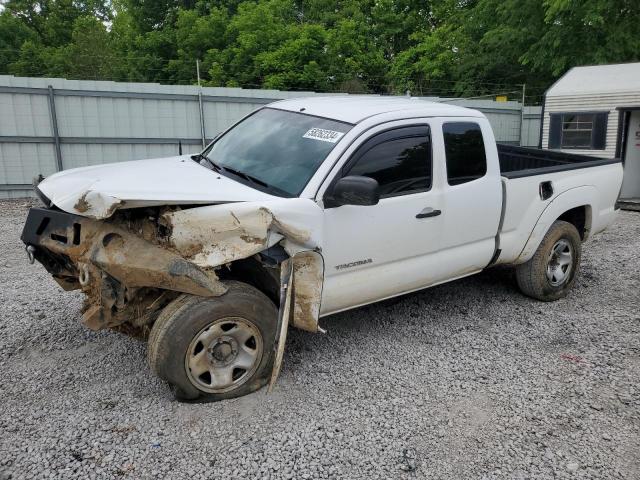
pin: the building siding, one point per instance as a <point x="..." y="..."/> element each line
<point x="590" y="103"/>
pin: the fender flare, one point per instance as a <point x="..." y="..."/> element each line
<point x="584" y="196"/>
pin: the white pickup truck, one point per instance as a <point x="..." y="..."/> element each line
<point x="305" y="208"/>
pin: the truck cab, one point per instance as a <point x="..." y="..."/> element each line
<point x="438" y="210"/>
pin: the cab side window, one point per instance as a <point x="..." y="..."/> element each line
<point x="399" y="159"/>
<point x="464" y="150"/>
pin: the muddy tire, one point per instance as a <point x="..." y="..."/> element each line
<point x="211" y="349"/>
<point x="552" y="271"/>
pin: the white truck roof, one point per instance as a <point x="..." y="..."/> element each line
<point x="355" y="108"/>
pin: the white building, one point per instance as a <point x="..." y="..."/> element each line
<point x="595" y="111"/>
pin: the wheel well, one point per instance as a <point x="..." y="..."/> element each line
<point x="579" y="217"/>
<point x="255" y="273"/>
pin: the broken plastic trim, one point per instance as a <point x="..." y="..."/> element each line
<point x="284" y="315"/>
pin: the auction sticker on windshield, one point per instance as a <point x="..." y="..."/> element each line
<point x="323" y="135"/>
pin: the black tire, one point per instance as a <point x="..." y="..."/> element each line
<point x="532" y="276"/>
<point x="186" y="319"/>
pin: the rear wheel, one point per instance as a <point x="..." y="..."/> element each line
<point x="210" y="349"/>
<point x="552" y="271"/>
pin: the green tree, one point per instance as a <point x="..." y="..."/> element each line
<point x="195" y="36"/>
<point x="583" y="33"/>
<point x="356" y="62"/>
<point x="256" y="28"/>
<point x="14" y="33"/>
<point x="90" y="54"/>
<point x="443" y="48"/>
<point x="297" y="63"/>
<point x="150" y="15"/>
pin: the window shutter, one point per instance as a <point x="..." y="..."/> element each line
<point x="555" y="130"/>
<point x="599" y="135"/>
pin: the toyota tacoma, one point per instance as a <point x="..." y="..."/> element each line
<point x="302" y="209"/>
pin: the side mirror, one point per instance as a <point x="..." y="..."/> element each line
<point x="355" y="190"/>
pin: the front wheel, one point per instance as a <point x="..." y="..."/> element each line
<point x="215" y="348"/>
<point x="552" y="271"/>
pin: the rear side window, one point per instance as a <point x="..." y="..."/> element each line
<point x="400" y="161"/>
<point x="464" y="149"/>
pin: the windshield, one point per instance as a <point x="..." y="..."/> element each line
<point x="276" y="150"/>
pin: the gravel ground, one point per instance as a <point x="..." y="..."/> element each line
<point x="465" y="380"/>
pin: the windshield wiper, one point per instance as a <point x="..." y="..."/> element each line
<point x="246" y="176"/>
<point x="198" y="157"/>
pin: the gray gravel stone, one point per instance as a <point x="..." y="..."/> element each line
<point x="466" y="380"/>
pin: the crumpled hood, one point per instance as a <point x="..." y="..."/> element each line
<point x="98" y="191"/>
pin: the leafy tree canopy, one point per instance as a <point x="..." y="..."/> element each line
<point x="438" y="47"/>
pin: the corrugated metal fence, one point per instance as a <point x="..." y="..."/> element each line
<point x="51" y="124"/>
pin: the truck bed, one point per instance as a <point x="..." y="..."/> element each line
<point x="578" y="179"/>
<point x="516" y="162"/>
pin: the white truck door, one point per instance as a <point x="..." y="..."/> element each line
<point x="375" y="252"/>
<point x="472" y="197"/>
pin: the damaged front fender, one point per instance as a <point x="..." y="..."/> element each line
<point x="307" y="281"/>
<point x="220" y="234"/>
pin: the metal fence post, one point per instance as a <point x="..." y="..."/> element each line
<point x="204" y="141"/>
<point x="54" y="128"/>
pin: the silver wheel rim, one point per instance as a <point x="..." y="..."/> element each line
<point x="560" y="263"/>
<point x="223" y="355"/>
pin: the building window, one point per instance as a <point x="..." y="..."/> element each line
<point x="584" y="131"/>
<point x="464" y="150"/>
<point x="577" y="130"/>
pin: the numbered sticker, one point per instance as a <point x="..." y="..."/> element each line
<point x="323" y="135"/>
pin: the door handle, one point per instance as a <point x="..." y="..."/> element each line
<point x="428" y="212"/>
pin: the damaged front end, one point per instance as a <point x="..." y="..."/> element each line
<point x="127" y="279"/>
<point x="133" y="263"/>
